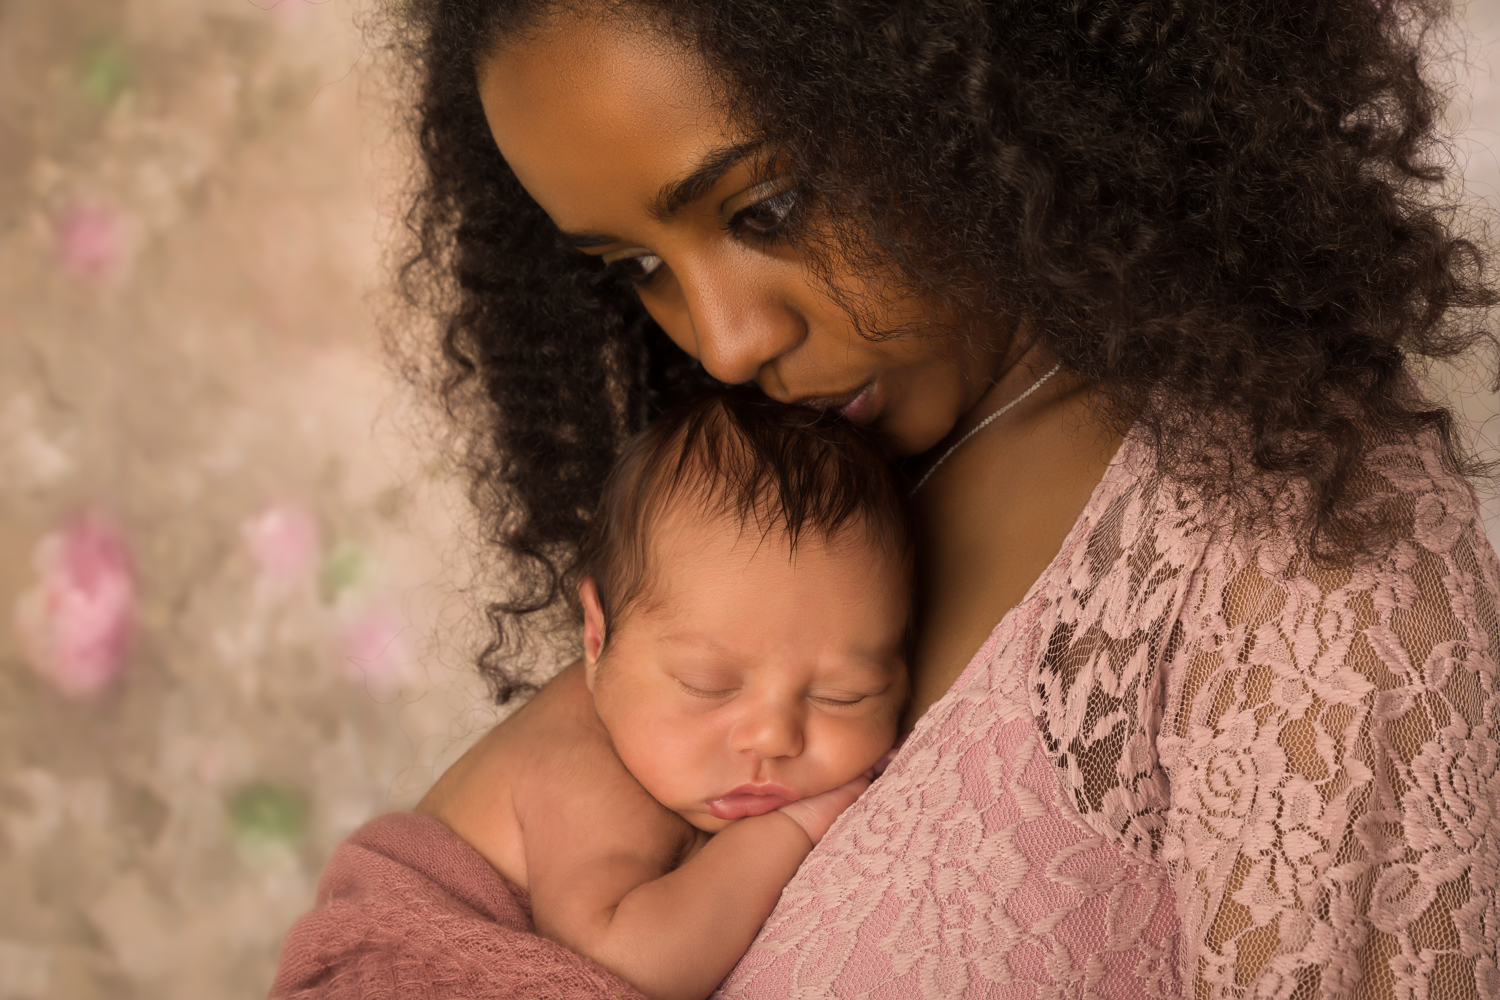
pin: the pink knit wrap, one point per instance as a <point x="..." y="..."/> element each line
<point x="408" y="911"/>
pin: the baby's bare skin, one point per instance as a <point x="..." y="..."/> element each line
<point x="604" y="862"/>
<point x="802" y="674"/>
<point x="553" y="752"/>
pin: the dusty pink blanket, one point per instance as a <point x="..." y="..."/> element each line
<point x="407" y="909"/>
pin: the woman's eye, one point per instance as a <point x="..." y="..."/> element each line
<point x="765" y="218"/>
<point x="638" y="267"/>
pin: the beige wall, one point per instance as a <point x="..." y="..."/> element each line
<point x="192" y="198"/>
<point x="1475" y="117"/>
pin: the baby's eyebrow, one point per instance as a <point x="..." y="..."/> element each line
<point x="863" y="669"/>
<point x="687" y="638"/>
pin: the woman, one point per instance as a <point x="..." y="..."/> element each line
<point x="1135" y="290"/>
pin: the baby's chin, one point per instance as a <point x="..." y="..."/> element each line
<point x="702" y="819"/>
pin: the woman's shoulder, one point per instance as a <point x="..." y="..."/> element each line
<point x="1150" y="532"/>
<point x="1433" y="556"/>
<point x="1426" y="587"/>
<point x="1166" y="615"/>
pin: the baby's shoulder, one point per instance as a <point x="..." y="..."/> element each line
<point x="566" y="772"/>
<point x="559" y="745"/>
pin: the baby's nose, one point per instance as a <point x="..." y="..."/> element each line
<point x="769" y="731"/>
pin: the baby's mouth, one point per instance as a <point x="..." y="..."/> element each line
<point x="750" y="800"/>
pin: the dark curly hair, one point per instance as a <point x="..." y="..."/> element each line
<point x="743" y="458"/>
<point x="1204" y="208"/>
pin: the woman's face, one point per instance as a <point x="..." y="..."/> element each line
<point x="614" y="132"/>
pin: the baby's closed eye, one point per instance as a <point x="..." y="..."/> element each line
<point x="708" y="686"/>
<point x="839" y="698"/>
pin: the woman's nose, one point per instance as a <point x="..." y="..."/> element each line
<point x="738" y="324"/>
<point x="768" y="731"/>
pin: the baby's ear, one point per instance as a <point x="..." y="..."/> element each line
<point x="593" y="627"/>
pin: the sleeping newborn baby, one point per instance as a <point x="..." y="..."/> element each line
<point x="746" y="603"/>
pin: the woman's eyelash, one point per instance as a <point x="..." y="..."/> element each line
<point x="765" y="220"/>
<point x="641" y="269"/>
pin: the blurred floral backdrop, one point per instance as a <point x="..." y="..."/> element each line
<point x="229" y="555"/>
<point x="226" y="548"/>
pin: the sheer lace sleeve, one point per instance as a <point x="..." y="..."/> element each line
<point x="1329" y="740"/>
<point x="1311" y="754"/>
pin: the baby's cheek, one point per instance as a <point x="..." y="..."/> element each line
<point x="852" y="747"/>
<point x="672" y="759"/>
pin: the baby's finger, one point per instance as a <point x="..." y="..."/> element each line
<point x="816" y="813"/>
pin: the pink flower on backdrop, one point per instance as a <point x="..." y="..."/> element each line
<point x="88" y="239"/>
<point x="284" y="540"/>
<point x="76" y="624"/>
<point x="374" y="647"/>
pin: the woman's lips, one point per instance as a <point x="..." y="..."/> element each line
<point x="861" y="409"/>
<point x="750" y="800"/>
<point x="857" y="407"/>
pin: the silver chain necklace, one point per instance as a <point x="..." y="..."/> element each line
<point x="981" y="426"/>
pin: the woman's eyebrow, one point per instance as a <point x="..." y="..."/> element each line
<point x="675" y="194"/>
<point x="684" y="191"/>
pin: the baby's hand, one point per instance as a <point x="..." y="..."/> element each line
<point x="816" y="813"/>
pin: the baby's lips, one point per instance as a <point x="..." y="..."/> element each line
<point x="738" y="806"/>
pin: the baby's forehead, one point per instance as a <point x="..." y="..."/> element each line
<point x="728" y="590"/>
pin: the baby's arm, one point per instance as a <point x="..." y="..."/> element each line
<point x="603" y="889"/>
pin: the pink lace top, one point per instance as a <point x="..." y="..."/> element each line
<point x="1188" y="764"/>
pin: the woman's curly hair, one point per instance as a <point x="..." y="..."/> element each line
<point x="1215" y="207"/>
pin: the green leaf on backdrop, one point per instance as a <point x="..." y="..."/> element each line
<point x="105" y="72"/>
<point x="264" y="812"/>
<point x="342" y="568"/>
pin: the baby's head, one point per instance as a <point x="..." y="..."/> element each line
<point x="747" y="598"/>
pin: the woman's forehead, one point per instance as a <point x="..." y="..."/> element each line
<point x="590" y="111"/>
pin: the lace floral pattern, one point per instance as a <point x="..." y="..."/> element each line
<point x="1190" y="763"/>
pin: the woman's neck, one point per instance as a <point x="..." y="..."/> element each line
<point x="994" y="515"/>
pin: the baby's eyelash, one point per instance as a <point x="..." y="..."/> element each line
<point x="842" y="701"/>
<point x="703" y="693"/>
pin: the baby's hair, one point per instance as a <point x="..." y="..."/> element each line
<point x="735" y="454"/>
